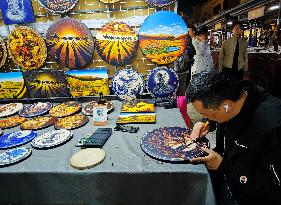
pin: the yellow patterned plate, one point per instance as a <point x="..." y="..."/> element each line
<point x="3" y="52"/>
<point x="11" y="122"/>
<point x="38" y="123"/>
<point x="27" y="48"/>
<point x="65" y="109"/>
<point x="71" y="122"/>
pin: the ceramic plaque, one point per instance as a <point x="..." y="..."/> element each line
<point x="35" y="109"/>
<point x="46" y="84"/>
<point x="88" y="82"/>
<point x="38" y="123"/>
<point x="27" y="48"/>
<point x="17" y="11"/>
<point x="70" y="43"/>
<point x="65" y="109"/>
<point x="10" y="109"/>
<point x="159" y="3"/>
<point x="117" y="43"/>
<point x="138" y="106"/>
<point x="52" y="139"/>
<point x="58" y="6"/>
<point x="71" y="122"/>
<point x="11" y="122"/>
<point x="172" y="144"/>
<point x="109" y="1"/>
<point x="127" y="84"/>
<point x="162" y="82"/>
<point x="126" y="118"/>
<point x="162" y="37"/>
<point x="3" y="52"/>
<point x="16" y="138"/>
<point x="13" y="156"/>
<point x="88" y="108"/>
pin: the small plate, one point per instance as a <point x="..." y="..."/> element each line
<point x="11" y="122"/>
<point x="60" y="7"/>
<point x="71" y="122"/>
<point x="88" y="108"/>
<point x="10" y="109"/>
<point x="16" y="138"/>
<point x="65" y="109"/>
<point x="13" y="156"/>
<point x="38" y="123"/>
<point x="35" y="109"/>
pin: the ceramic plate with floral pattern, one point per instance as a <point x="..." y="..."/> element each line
<point x="58" y="6"/>
<point x="35" y="109"/>
<point x="13" y="156"/>
<point x="10" y="109"/>
<point x="16" y="138"/>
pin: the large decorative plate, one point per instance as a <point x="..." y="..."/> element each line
<point x="65" y="109"/>
<point x="35" y="109"/>
<point x="172" y="144"/>
<point x="138" y="106"/>
<point x="127" y="84"/>
<point x="16" y="138"/>
<point x="58" y="6"/>
<point x="109" y="1"/>
<point x="51" y="139"/>
<point x="3" y="52"/>
<point x="71" y="122"/>
<point x="10" y="109"/>
<point x="11" y="122"/>
<point x="38" y="123"/>
<point x="117" y="43"/>
<point x="70" y="43"/>
<point x="162" y="37"/>
<point x="13" y="156"/>
<point x="88" y="108"/>
<point x="27" y="47"/>
<point x="162" y="82"/>
<point x="159" y="3"/>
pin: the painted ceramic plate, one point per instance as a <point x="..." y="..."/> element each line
<point x="172" y="144"/>
<point x="162" y="37"/>
<point x="88" y="108"/>
<point x="38" y="123"/>
<point x="52" y="139"/>
<point x="10" y="109"/>
<point x="35" y="109"/>
<point x="117" y="43"/>
<point x="71" y="122"/>
<point x="58" y="6"/>
<point x="13" y="156"/>
<point x="16" y="138"/>
<point x="70" y="43"/>
<point x="162" y="82"/>
<point x="126" y="118"/>
<point x="27" y="47"/>
<point x="65" y="109"/>
<point x="109" y="1"/>
<point x="3" y="52"/>
<point x="11" y="122"/>
<point x="127" y="84"/>
<point x="159" y="3"/>
<point x="138" y="106"/>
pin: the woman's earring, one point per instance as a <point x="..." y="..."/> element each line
<point x="226" y="108"/>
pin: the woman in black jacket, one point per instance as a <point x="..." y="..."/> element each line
<point x="245" y="166"/>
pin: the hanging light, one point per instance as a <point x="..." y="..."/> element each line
<point x="229" y="23"/>
<point x="274" y="7"/>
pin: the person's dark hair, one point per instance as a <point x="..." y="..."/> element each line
<point x="236" y="23"/>
<point x="192" y="27"/>
<point x="203" y="30"/>
<point x="212" y="89"/>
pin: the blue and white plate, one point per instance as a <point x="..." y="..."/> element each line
<point x="172" y="144"/>
<point x="16" y="138"/>
<point x="14" y="155"/>
<point x="51" y="139"/>
<point x="35" y="109"/>
<point x="162" y="82"/>
<point x="127" y="84"/>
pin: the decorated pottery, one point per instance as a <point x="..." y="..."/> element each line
<point x="10" y="109"/>
<point x="126" y="118"/>
<point x="138" y="106"/>
<point x="27" y="48"/>
<point x="162" y="37"/>
<point x="88" y="108"/>
<point x="52" y="139"/>
<point x="35" y="109"/>
<point x="65" y="109"/>
<point x="11" y="122"/>
<point x="162" y="82"/>
<point x="16" y="138"/>
<point x="117" y="43"/>
<point x="58" y="6"/>
<point x="38" y="123"/>
<point x="71" y="122"/>
<point x="172" y="144"/>
<point x="70" y="43"/>
<point x="3" y="52"/>
<point x="127" y="84"/>
<point x="109" y="1"/>
<point x="13" y="156"/>
<point x="159" y="3"/>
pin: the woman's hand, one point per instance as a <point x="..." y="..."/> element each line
<point x="199" y="131"/>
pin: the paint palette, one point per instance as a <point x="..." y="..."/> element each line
<point x="138" y="106"/>
<point x="71" y="122"/>
<point x="11" y="122"/>
<point x="58" y="6"/>
<point x="13" y="156"/>
<point x="160" y="3"/>
<point x="162" y="82"/>
<point x="3" y="52"/>
<point x="35" y="109"/>
<point x="88" y="108"/>
<point x="127" y="84"/>
<point x="10" y="109"/>
<point x="172" y="144"/>
<point x="16" y="138"/>
<point x="38" y="123"/>
<point x="65" y="109"/>
<point x="52" y="139"/>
